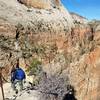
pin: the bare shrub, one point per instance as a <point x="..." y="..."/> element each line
<point x="52" y="87"/>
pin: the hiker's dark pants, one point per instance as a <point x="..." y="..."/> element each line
<point x="17" y="83"/>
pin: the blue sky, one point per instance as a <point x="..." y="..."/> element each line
<point x="87" y="8"/>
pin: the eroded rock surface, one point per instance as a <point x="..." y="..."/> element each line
<point x="46" y="34"/>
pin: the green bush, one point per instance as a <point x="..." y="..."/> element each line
<point x="35" y="67"/>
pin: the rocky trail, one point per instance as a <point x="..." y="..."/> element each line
<point x="26" y="94"/>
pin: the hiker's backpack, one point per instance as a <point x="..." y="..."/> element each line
<point x="19" y="74"/>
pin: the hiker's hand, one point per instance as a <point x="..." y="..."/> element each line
<point x="24" y="81"/>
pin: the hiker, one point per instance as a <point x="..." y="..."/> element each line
<point x="70" y="94"/>
<point x="17" y="77"/>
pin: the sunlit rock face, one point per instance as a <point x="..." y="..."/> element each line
<point x="48" y="34"/>
<point x="78" y="19"/>
<point x="42" y="4"/>
<point x="16" y="12"/>
<point x="36" y="3"/>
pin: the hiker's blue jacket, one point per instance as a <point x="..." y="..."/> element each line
<point x="18" y="74"/>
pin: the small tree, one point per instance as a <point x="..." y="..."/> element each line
<point x="35" y="67"/>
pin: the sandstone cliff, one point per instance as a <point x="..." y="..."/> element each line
<point x="48" y="35"/>
<point x="41" y="4"/>
<point x="78" y="18"/>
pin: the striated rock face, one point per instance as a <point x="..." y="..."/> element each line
<point x="95" y="24"/>
<point x="41" y="20"/>
<point x="78" y="19"/>
<point x="46" y="34"/>
<point x="36" y="3"/>
<point x="46" y="4"/>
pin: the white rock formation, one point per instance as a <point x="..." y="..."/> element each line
<point x="14" y="12"/>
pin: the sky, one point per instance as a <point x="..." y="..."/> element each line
<point x="87" y="8"/>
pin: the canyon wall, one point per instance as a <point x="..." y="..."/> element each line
<point x="50" y="36"/>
